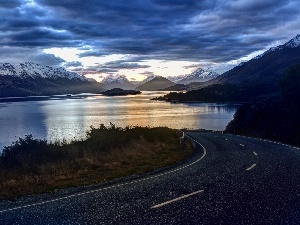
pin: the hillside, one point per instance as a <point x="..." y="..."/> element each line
<point x="266" y="69"/>
<point x="274" y="118"/>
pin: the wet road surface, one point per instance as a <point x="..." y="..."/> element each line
<point x="230" y="180"/>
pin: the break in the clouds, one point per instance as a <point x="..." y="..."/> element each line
<point x="208" y="33"/>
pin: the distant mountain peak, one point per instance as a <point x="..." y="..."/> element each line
<point x="199" y="75"/>
<point x="115" y="79"/>
<point x="156" y="83"/>
<point x="204" y="73"/>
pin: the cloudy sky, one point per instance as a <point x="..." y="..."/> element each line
<point x="138" y="38"/>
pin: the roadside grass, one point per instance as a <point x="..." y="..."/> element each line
<point x="32" y="166"/>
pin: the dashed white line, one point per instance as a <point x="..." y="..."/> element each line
<point x="254" y="153"/>
<point x="176" y="199"/>
<point x="251" y="167"/>
<point x="242" y="145"/>
<point x="110" y="187"/>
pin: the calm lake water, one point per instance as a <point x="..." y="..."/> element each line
<point x="54" y="119"/>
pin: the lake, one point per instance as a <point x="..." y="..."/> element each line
<point x="58" y="118"/>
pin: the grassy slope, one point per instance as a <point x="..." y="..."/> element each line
<point x="34" y="166"/>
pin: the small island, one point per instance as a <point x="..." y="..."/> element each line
<point x="120" y="92"/>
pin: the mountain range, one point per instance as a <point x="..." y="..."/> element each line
<point x="172" y="83"/>
<point x="30" y="79"/>
<point x="33" y="70"/>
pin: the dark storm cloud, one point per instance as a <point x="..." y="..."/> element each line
<point x="211" y="30"/>
<point x="121" y="64"/>
<point x="18" y="54"/>
<point x="10" y="3"/>
<point x="116" y="66"/>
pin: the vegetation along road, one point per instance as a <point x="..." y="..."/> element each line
<point x="229" y="180"/>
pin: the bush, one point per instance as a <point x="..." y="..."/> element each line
<point x="30" y="165"/>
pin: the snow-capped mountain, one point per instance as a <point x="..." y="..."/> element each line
<point x="175" y="79"/>
<point x="30" y="79"/>
<point x="198" y="75"/>
<point x="119" y="81"/>
<point x="115" y="79"/>
<point x="293" y="43"/>
<point x="33" y="70"/>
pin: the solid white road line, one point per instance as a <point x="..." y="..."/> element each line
<point x="110" y="187"/>
<point x="175" y="199"/>
<point x="251" y="167"/>
<point x="254" y="153"/>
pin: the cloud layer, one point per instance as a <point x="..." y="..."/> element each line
<point x="214" y="31"/>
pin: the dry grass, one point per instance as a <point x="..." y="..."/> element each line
<point x="86" y="162"/>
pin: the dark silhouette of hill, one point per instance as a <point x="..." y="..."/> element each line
<point x="176" y="87"/>
<point x="275" y="118"/>
<point x="157" y="83"/>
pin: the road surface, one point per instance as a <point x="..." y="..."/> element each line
<point x="230" y="180"/>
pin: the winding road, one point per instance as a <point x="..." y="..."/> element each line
<point x="229" y="180"/>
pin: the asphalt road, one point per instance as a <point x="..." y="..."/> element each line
<point x="230" y="180"/>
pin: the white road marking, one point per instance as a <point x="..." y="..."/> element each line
<point x="254" y="153"/>
<point x="251" y="167"/>
<point x="110" y="187"/>
<point x="242" y="145"/>
<point x="176" y="199"/>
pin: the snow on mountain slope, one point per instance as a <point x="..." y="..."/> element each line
<point x="119" y="81"/>
<point x="293" y="43"/>
<point x="115" y="79"/>
<point x="266" y="69"/>
<point x="28" y="69"/>
<point x="198" y="75"/>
